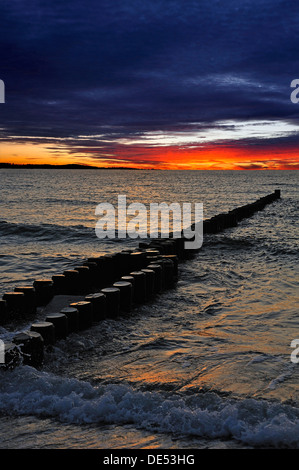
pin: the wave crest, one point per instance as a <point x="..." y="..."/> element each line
<point x="250" y="421"/>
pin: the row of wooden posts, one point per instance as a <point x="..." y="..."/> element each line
<point x="111" y="285"/>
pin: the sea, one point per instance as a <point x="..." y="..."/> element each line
<point x="205" y="365"/>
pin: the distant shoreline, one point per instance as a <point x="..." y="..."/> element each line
<point x="61" y="167"/>
<point x="74" y="166"/>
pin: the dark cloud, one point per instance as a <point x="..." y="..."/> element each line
<point x="76" y="67"/>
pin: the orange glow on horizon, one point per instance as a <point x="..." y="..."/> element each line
<point x="208" y="157"/>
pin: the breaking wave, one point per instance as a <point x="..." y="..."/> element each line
<point x="204" y="415"/>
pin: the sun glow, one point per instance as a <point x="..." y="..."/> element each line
<point x="226" y="145"/>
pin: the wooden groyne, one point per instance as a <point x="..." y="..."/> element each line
<point x="110" y="285"/>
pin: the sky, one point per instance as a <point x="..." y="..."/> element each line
<point x="158" y="84"/>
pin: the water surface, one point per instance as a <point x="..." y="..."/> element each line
<point x="205" y="365"/>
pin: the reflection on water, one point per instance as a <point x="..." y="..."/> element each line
<point x="206" y="364"/>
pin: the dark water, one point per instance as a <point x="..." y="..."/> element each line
<point x="204" y="365"/>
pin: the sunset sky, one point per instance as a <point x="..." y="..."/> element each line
<point x="172" y="84"/>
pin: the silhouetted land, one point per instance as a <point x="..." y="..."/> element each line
<point x="63" y="167"/>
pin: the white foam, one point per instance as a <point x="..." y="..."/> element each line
<point x="26" y="391"/>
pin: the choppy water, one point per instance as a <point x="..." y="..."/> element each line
<point x="204" y="365"/>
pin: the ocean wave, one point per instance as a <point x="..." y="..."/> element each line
<point x="71" y="202"/>
<point x="258" y="423"/>
<point x="53" y="232"/>
<point x="275" y="246"/>
<point x="47" y="232"/>
<point x="229" y="242"/>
